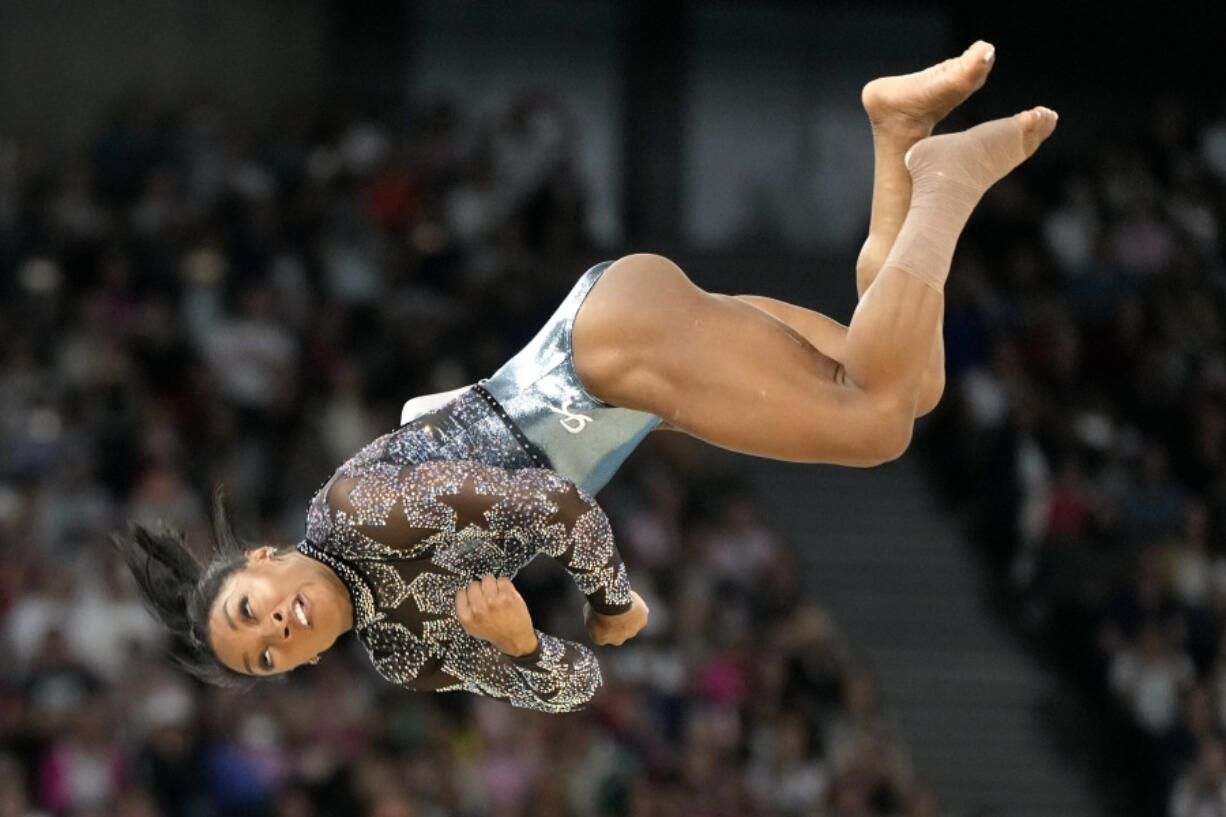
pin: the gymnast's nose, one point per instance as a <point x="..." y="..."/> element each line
<point x="280" y="624"/>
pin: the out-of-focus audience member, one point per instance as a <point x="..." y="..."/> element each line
<point x="1085" y="433"/>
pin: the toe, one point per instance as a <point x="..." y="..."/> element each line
<point x="1037" y="124"/>
<point x="978" y="61"/>
<point x="981" y="50"/>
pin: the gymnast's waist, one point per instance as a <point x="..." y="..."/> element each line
<point x="467" y="424"/>
<point x="583" y="439"/>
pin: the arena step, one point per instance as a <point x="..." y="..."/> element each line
<point x="896" y="574"/>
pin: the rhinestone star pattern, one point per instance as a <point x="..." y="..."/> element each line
<point x="450" y="497"/>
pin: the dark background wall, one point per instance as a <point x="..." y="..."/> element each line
<point x="715" y="123"/>
<point x="63" y="61"/>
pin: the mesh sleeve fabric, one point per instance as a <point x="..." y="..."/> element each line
<point x="560" y="676"/>
<point x="577" y="534"/>
<point x="420" y="533"/>
<point x="482" y="519"/>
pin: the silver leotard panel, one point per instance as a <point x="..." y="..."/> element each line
<point x="585" y="439"/>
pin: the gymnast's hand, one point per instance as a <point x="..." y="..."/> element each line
<point x="618" y="628"/>
<point x="492" y="609"/>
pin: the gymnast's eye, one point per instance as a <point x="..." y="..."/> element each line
<point x="245" y="606"/>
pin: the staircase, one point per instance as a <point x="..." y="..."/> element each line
<point x="970" y="707"/>
<point x="965" y="702"/>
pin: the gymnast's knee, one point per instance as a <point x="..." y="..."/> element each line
<point x="930" y="393"/>
<point x="888" y="437"/>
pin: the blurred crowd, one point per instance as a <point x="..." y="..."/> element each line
<point x="189" y="303"/>
<point x="1084" y="432"/>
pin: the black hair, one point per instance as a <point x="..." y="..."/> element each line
<point x="179" y="589"/>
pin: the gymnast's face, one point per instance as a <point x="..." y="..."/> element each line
<point x="277" y="612"/>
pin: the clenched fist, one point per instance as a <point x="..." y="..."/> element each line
<point x="619" y="628"/>
<point x="492" y="609"/>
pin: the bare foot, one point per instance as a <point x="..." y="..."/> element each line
<point x="908" y="106"/>
<point x="975" y="159"/>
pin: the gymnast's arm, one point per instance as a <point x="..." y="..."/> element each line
<point x="530" y="510"/>
<point x="536" y="508"/>
<point x="580" y="538"/>
<point x="505" y="657"/>
<point x="556" y="676"/>
<point x="521" y="512"/>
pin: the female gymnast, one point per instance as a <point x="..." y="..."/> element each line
<point x="413" y="542"/>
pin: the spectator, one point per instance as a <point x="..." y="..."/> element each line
<point x="1201" y="791"/>
<point x="1116" y="548"/>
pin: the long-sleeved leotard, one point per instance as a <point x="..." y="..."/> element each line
<point x="406" y="537"/>
<point x="480" y="483"/>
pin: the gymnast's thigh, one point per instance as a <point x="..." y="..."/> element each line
<point x="718" y="368"/>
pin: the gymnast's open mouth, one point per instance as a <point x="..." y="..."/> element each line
<point x="302" y="610"/>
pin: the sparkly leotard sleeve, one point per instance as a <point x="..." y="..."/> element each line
<point x="405" y="539"/>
